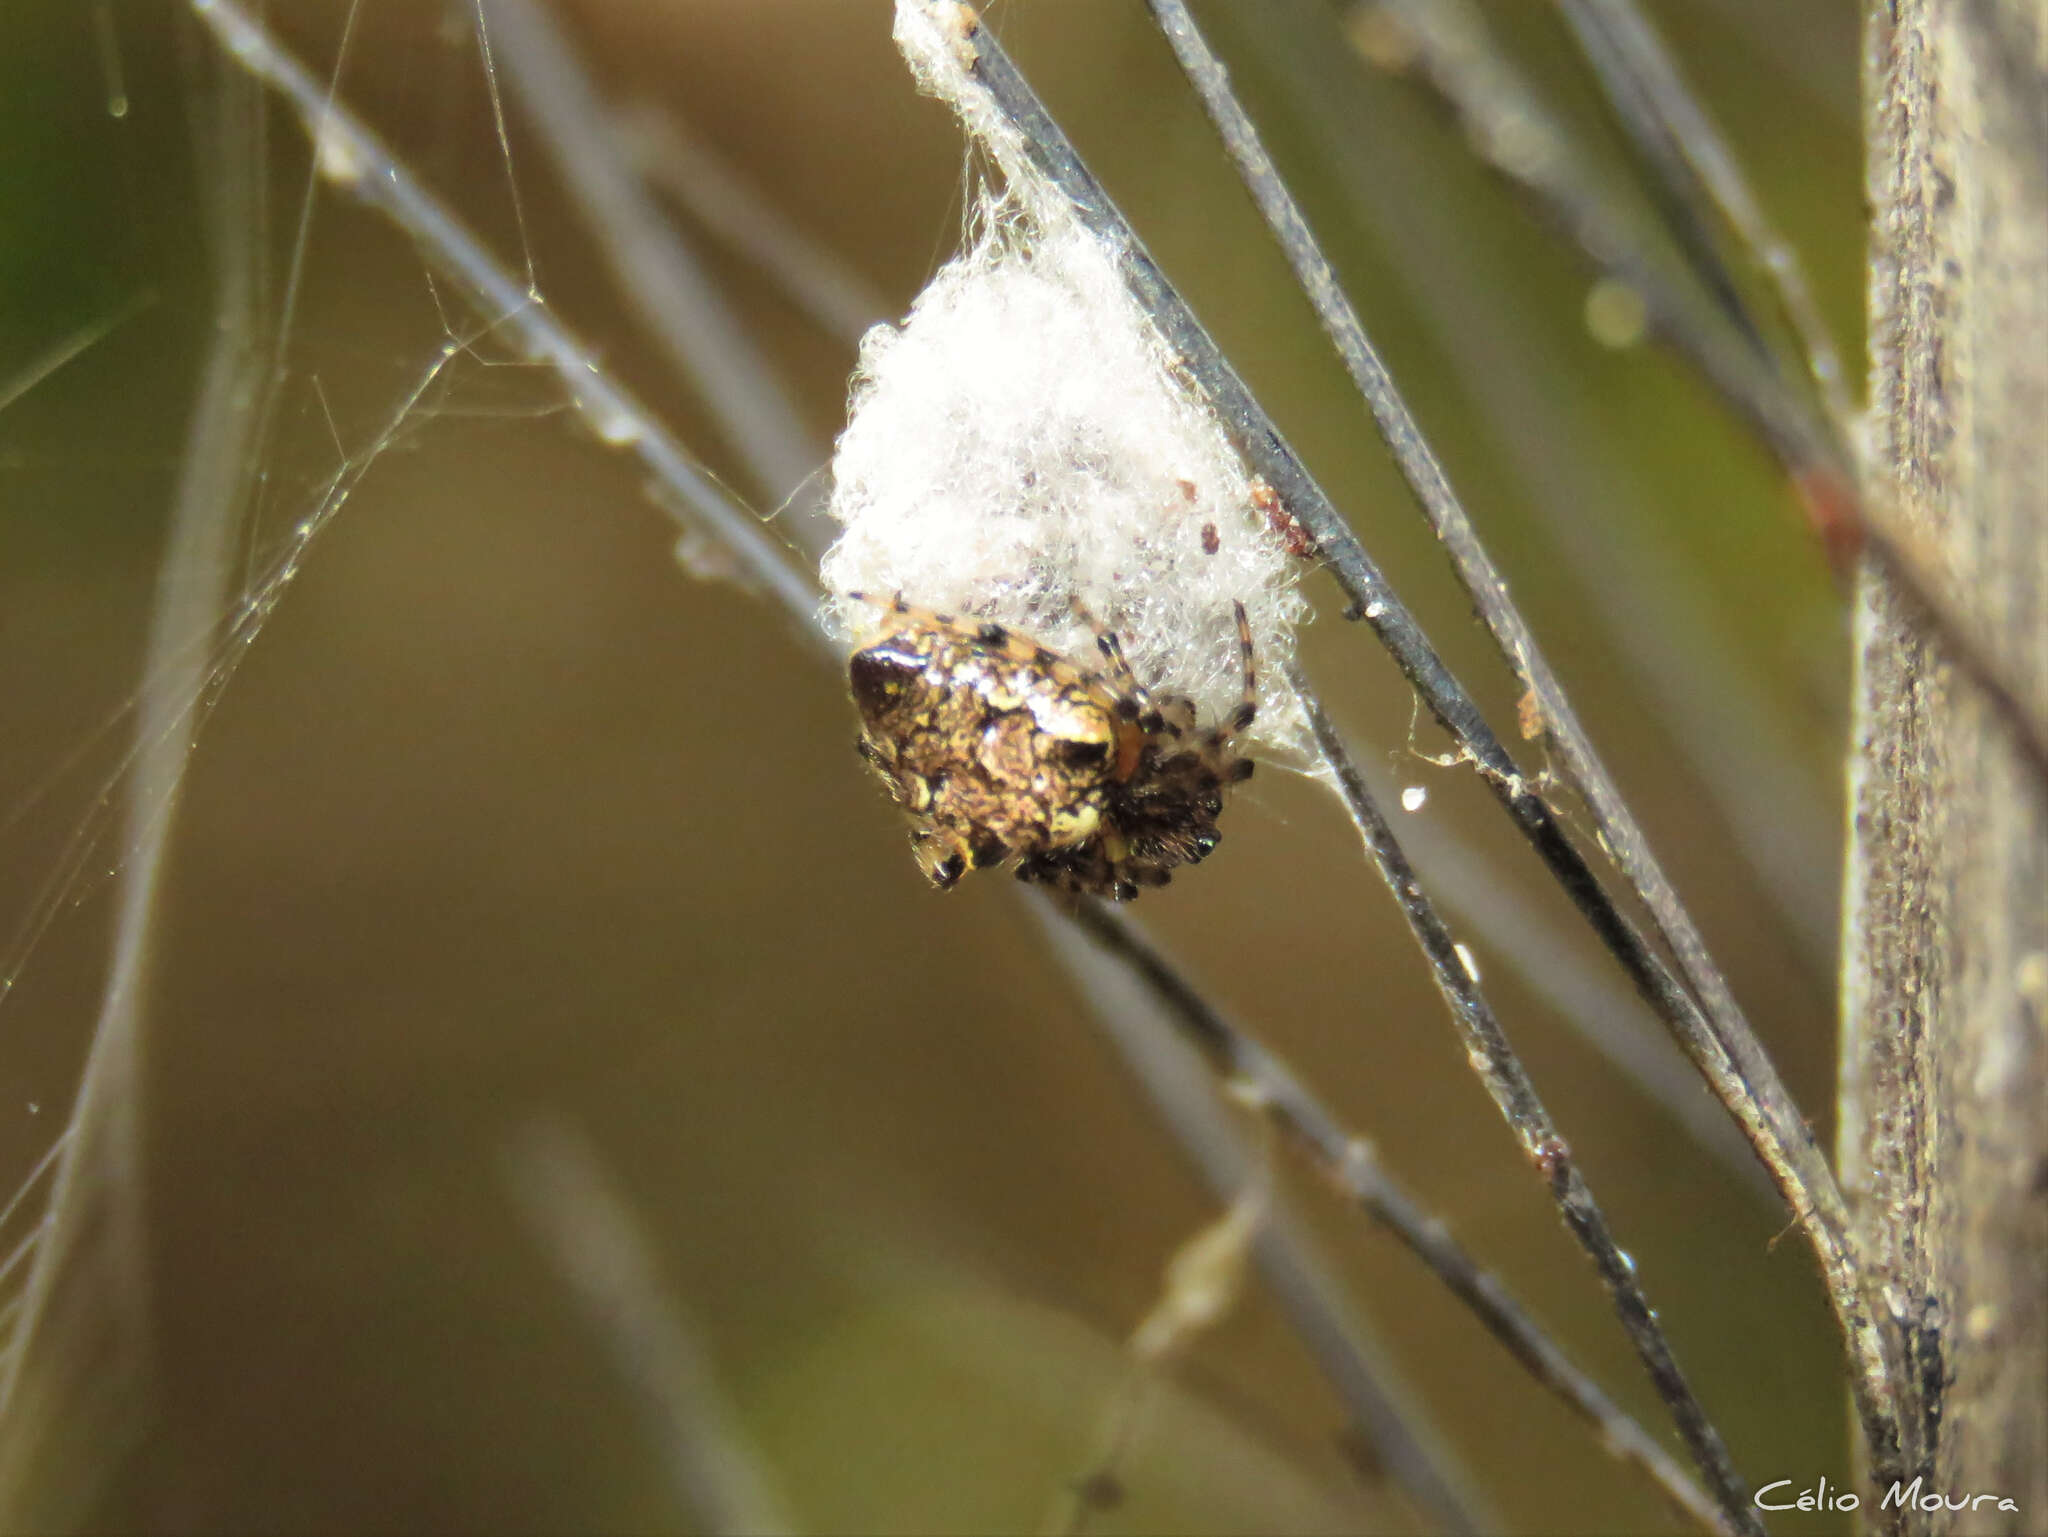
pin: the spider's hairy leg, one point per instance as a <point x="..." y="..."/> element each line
<point x="920" y="617"/>
<point x="1248" y="711"/>
<point x="1227" y="766"/>
<point x="1134" y="700"/>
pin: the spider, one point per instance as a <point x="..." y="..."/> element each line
<point x="1004" y="752"/>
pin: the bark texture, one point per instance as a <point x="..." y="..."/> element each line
<point x="1944" y="1124"/>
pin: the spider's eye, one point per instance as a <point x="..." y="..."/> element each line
<point x="1084" y="754"/>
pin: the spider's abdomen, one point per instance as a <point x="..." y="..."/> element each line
<point x="1004" y="752"/>
<point x="998" y="747"/>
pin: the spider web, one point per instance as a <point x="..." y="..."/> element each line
<point x="298" y="409"/>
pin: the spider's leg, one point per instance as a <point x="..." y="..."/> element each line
<point x="918" y="615"/>
<point x="1112" y="651"/>
<point x="941" y="853"/>
<point x="1248" y="711"/>
<point x="1140" y="708"/>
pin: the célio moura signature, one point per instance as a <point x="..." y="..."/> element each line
<point x="1898" y="1496"/>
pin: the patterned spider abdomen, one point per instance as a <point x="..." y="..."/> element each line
<point x="1004" y="752"/>
<point x="995" y="746"/>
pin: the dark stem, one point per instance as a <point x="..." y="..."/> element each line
<point x="1390" y="1425"/>
<point x="1350" y="1166"/>
<point x="1751" y="1092"/>
<point x="1707" y="1020"/>
<point x="1500" y="1069"/>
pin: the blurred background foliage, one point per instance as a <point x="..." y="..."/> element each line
<point x="505" y="815"/>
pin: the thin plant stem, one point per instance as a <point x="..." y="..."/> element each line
<point x="43" y="1165"/>
<point x="1685" y="148"/>
<point x="94" y="1233"/>
<point x="1348" y="1163"/>
<point x="353" y="158"/>
<point x="67" y="348"/>
<point x="1386" y="1417"/>
<point x="602" y="1251"/>
<point x="1682" y="206"/>
<point x="1500" y="1070"/>
<point x="1628" y="573"/>
<point x="1713" y="1029"/>
<point x="682" y="308"/>
<point x="1514" y="133"/>
<point x="731" y="209"/>
<point x="1591" y="1003"/>
<point x="1651" y="97"/>
<point x="1509" y="128"/>
<point x="21" y="1251"/>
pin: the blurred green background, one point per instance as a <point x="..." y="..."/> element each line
<point x="504" y="815"/>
